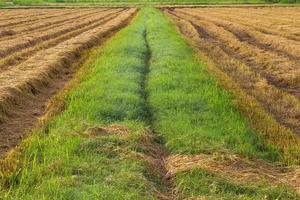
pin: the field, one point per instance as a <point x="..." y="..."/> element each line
<point x="260" y="54"/>
<point x="35" y="47"/>
<point x="150" y="103"/>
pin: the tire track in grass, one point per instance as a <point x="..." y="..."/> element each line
<point x="157" y="151"/>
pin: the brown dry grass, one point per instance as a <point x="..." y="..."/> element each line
<point x="279" y="67"/>
<point x="11" y="14"/>
<point x="262" y="103"/>
<point x="237" y="21"/>
<point x="31" y="18"/>
<point x="276" y="21"/>
<point x="8" y="47"/>
<point x="23" y="55"/>
<point x="236" y="168"/>
<point x="245" y="41"/>
<point x="45" y="23"/>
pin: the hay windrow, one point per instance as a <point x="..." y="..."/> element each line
<point x="47" y="23"/>
<point x="28" y="40"/>
<point x="279" y="67"/>
<point x="23" y="55"/>
<point x="44" y="25"/>
<point x="33" y="18"/>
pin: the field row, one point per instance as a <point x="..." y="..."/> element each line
<point x="258" y="48"/>
<point x="35" y="60"/>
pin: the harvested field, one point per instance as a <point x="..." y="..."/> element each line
<point x="38" y="52"/>
<point x="143" y="117"/>
<point x="239" y="169"/>
<point x="258" y="48"/>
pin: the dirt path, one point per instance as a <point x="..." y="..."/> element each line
<point x="26" y="89"/>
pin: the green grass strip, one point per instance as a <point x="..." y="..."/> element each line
<point x="60" y="163"/>
<point x="192" y="113"/>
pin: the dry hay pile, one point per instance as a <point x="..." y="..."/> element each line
<point x="235" y="168"/>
